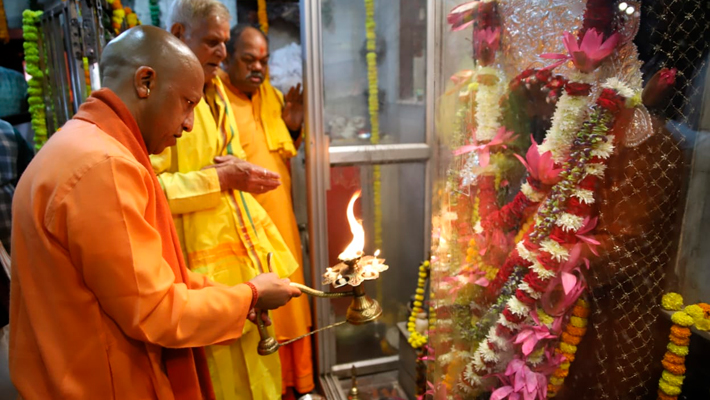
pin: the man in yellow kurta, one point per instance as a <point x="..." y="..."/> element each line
<point x="269" y="125"/>
<point x="224" y="232"/>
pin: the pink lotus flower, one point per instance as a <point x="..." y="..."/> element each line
<point x="484" y="150"/>
<point x="556" y="301"/>
<point x="592" y="50"/>
<point x="588" y="53"/>
<point x="531" y="334"/>
<point x="540" y="167"/>
<point x="462" y="15"/>
<point x="487" y="40"/>
<point x="592" y="243"/>
<point x="521" y="383"/>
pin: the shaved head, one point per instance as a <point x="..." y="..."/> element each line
<point x="158" y="78"/>
<point x="144" y="45"/>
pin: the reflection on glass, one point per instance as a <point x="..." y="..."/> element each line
<point x="403" y="232"/>
<point x="401" y="41"/>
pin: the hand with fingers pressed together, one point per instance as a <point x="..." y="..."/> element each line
<point x="237" y="174"/>
<point x="273" y="292"/>
<point x="292" y="113"/>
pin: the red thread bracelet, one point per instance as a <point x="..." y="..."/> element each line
<point x="254" y="294"/>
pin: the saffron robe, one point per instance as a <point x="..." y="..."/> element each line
<point x="102" y="304"/>
<point x="226" y="236"/>
<point x="267" y="143"/>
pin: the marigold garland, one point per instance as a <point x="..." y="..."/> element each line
<point x="4" y="32"/>
<point x="263" y="16"/>
<point x="700" y="314"/>
<point x="374" y="108"/>
<point x="416" y="339"/>
<point x="31" y="34"/>
<point x="672" y="302"/>
<point x="568" y="346"/>
<point x="671" y="382"/>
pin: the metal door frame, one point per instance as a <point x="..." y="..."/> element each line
<point x="320" y="157"/>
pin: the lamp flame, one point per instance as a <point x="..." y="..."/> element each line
<point x="355" y="248"/>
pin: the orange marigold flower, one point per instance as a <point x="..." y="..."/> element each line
<point x="680" y="331"/>
<point x="673" y="358"/>
<point x="568" y="356"/>
<point x="573" y="330"/>
<point x="581" y="312"/>
<point x="675" y="369"/>
<point x="680" y="341"/>
<point x="561" y="373"/>
<point x="566" y="337"/>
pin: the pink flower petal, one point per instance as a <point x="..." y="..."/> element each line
<point x="529" y="346"/>
<point x="482" y="282"/>
<point x="568" y="282"/>
<point x="570" y="42"/>
<point x="501" y="393"/>
<point x="484" y="157"/>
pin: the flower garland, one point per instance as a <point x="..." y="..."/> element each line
<point x="416" y="339"/>
<point x="374" y="108"/>
<point x="154" y="12"/>
<point x="30" y="32"/>
<point x="4" y="32"/>
<point x="548" y="248"/>
<point x="131" y="18"/>
<point x="87" y="75"/>
<point x="701" y="315"/>
<point x="671" y="382"/>
<point x="263" y="16"/>
<point x="571" y="337"/>
<point x="117" y="15"/>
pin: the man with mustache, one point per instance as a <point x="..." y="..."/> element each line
<point x="269" y="126"/>
<point x="103" y="306"/>
<point x="225" y="233"/>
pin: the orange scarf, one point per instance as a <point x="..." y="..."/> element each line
<point x="186" y="368"/>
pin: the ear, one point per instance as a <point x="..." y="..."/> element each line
<point x="178" y="30"/>
<point x="144" y="81"/>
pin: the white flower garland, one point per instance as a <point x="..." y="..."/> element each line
<point x="488" y="110"/>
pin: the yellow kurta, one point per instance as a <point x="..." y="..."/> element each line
<point x="294" y="319"/>
<point x="226" y="236"/>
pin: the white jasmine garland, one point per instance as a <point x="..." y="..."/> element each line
<point x="497" y="340"/>
<point x="570" y="222"/>
<point x="508" y="324"/>
<point x="524" y="253"/>
<point x="556" y="250"/>
<point x="488" y="110"/>
<point x="604" y="149"/>
<point x="620" y="87"/>
<point x="541" y="271"/>
<point x="530" y="291"/>
<point x="585" y="196"/>
<point x="517" y="307"/>
<point x="595" y="169"/>
<point x="532" y="194"/>
<point x="566" y="121"/>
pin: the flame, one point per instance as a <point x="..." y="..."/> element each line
<point x="355" y="248"/>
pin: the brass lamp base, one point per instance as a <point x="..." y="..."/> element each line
<point x="363" y="308"/>
<point x="267" y="346"/>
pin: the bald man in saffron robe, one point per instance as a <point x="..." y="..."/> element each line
<point x="102" y="304"/>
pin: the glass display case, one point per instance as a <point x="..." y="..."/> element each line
<point x="569" y="201"/>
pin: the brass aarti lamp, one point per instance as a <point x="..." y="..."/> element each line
<point x="353" y="269"/>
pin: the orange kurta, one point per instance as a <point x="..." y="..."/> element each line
<point x="294" y="319"/>
<point x="101" y="300"/>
